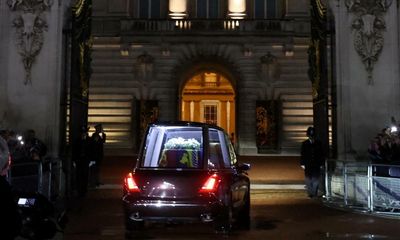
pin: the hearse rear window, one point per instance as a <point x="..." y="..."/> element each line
<point x="173" y="147"/>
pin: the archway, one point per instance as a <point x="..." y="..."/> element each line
<point x="209" y="97"/>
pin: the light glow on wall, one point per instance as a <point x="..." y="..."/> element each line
<point x="237" y="9"/>
<point x="177" y="9"/>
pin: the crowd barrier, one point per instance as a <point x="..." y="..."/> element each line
<point x="44" y="177"/>
<point x="365" y="187"/>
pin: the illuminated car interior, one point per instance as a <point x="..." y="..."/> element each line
<point x="182" y="147"/>
<point x="173" y="147"/>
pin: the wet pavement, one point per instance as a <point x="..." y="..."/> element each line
<point x="275" y="213"/>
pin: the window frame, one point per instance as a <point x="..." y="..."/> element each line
<point x="266" y="4"/>
<point x="204" y="103"/>
<point x="149" y="9"/>
<point x="208" y="12"/>
<point x="225" y="162"/>
<point x="231" y="149"/>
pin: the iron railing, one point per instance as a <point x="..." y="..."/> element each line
<point x="365" y="187"/>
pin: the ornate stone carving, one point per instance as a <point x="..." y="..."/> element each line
<point x="272" y="66"/>
<point x="29" y="30"/>
<point x="270" y="72"/>
<point x="144" y="72"/>
<point x="368" y="24"/>
<point x="145" y="65"/>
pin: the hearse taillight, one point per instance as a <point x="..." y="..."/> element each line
<point x="130" y="184"/>
<point x="211" y="184"/>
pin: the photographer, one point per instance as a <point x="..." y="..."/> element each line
<point x="10" y="220"/>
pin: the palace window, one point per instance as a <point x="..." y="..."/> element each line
<point x="150" y="9"/>
<point x="264" y="9"/>
<point x="210" y="114"/>
<point x="207" y="8"/>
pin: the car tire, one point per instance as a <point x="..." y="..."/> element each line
<point x="243" y="216"/>
<point x="134" y="225"/>
<point x="223" y="222"/>
<point x="129" y="234"/>
<point x="132" y="228"/>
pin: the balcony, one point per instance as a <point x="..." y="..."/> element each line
<point x="109" y="26"/>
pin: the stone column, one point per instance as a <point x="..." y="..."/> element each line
<point x="197" y="111"/>
<point x="223" y="114"/>
<point x="4" y="40"/>
<point x="233" y="118"/>
<point x="34" y="90"/>
<point x="186" y="113"/>
<point x="367" y="60"/>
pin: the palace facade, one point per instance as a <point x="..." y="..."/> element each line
<point x="241" y="65"/>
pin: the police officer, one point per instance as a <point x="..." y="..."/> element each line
<point x="312" y="159"/>
<point x="97" y="151"/>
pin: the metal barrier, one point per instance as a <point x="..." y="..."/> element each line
<point x="36" y="176"/>
<point x="365" y="187"/>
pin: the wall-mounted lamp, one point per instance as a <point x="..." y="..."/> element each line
<point x="177" y="9"/>
<point x="247" y="52"/>
<point x="165" y="50"/>
<point x="288" y="50"/>
<point x="237" y="9"/>
<point x="124" y="49"/>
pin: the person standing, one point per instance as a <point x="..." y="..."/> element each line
<point x="82" y="162"/>
<point x="35" y="149"/>
<point x="97" y="151"/>
<point x="312" y="159"/>
<point x="10" y="219"/>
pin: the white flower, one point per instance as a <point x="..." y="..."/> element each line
<point x="181" y="143"/>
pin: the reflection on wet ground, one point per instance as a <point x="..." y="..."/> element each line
<point x="354" y="236"/>
<point x="274" y="214"/>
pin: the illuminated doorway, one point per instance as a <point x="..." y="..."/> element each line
<point x="209" y="97"/>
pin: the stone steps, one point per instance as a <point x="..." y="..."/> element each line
<point x="297" y="115"/>
<point x="112" y="69"/>
<point x="114" y="111"/>
<point x="112" y="90"/>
